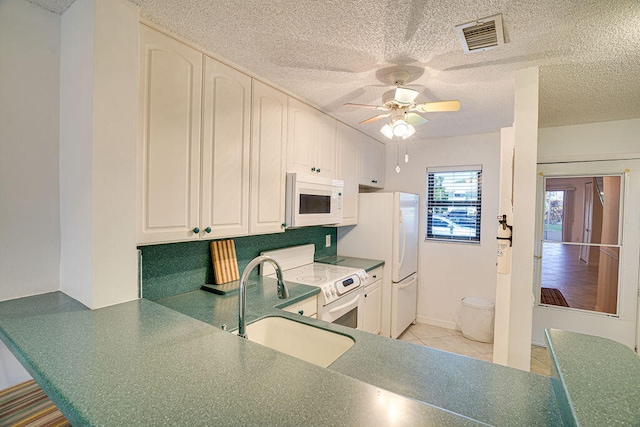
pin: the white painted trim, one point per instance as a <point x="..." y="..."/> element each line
<point x="588" y="158"/>
<point x="437" y="322"/>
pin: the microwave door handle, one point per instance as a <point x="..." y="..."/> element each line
<point x="404" y="242"/>
<point x="345" y="305"/>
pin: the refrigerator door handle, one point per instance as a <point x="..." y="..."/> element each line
<point x="409" y="283"/>
<point x="404" y="242"/>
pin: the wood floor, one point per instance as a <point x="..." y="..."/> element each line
<point x="563" y="269"/>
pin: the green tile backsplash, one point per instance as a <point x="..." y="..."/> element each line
<point x="175" y="268"/>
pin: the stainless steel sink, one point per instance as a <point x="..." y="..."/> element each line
<point x="309" y="343"/>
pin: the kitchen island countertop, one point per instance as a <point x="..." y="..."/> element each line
<point x="143" y="363"/>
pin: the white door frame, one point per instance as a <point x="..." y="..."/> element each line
<point x="620" y="327"/>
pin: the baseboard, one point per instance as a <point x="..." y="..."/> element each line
<point x="437" y="322"/>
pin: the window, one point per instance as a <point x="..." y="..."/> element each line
<point x="454" y="197"/>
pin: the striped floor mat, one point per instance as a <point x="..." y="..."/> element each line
<point x="26" y="405"/>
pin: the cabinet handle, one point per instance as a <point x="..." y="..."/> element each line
<point x="374" y="181"/>
<point x="301" y="312"/>
<point x="196" y="230"/>
<point x="208" y="229"/>
<point x="313" y="169"/>
<point x="375" y="276"/>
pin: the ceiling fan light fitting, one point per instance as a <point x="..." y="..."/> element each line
<point x="401" y="128"/>
<point x="387" y="131"/>
<point x="410" y="131"/>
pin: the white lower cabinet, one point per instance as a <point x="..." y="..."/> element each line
<point x="307" y="307"/>
<point x="373" y="303"/>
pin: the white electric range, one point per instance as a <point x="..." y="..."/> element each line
<point x="341" y="297"/>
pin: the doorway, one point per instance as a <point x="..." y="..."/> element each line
<point x="587" y="249"/>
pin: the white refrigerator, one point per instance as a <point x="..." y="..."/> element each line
<point x="388" y="230"/>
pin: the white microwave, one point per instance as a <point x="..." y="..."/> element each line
<point x="313" y="200"/>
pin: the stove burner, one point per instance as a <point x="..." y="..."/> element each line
<point x="311" y="279"/>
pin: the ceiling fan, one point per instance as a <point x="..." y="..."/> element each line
<point x="401" y="107"/>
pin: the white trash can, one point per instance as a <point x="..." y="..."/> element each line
<point x="476" y="319"/>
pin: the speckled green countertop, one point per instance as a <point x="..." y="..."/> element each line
<point x="143" y="364"/>
<point x="597" y="380"/>
<point x="365" y="264"/>
<point x="480" y="390"/>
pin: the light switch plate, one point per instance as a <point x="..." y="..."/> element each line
<point x="328" y="240"/>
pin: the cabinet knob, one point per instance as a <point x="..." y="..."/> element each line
<point x="196" y="230"/>
<point x="313" y="169"/>
<point x="284" y="225"/>
<point x="374" y="276"/>
<point x="365" y="295"/>
<point x="318" y="170"/>
<point x="374" y="181"/>
<point x="208" y="229"/>
<point x="301" y="312"/>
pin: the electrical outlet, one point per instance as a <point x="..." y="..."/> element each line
<point x="328" y="240"/>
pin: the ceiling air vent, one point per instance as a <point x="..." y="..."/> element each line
<point x="481" y="34"/>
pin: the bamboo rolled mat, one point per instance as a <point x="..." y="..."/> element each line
<point x="552" y="296"/>
<point x="26" y="405"/>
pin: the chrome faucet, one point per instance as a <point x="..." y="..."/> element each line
<point x="283" y="292"/>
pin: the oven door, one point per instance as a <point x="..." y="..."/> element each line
<point x="346" y="311"/>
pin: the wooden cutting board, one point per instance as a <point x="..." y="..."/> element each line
<point x="225" y="264"/>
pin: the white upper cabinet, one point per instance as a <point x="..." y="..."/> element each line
<point x="347" y="160"/>
<point x="168" y="152"/>
<point x="226" y="139"/>
<point x="268" y="160"/>
<point x="372" y="162"/>
<point x="311" y="141"/>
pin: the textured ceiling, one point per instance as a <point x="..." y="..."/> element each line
<point x="335" y="51"/>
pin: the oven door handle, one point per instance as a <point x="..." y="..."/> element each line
<point x="345" y="305"/>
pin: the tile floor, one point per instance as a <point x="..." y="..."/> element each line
<point x="453" y="341"/>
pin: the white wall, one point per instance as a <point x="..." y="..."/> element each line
<point x="619" y="139"/>
<point x="76" y="133"/>
<point x="448" y="271"/>
<point x="29" y="202"/>
<point x="98" y="133"/>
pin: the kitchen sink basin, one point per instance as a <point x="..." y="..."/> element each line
<point x="315" y="345"/>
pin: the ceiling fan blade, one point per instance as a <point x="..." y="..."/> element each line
<point x="373" y="119"/>
<point x="439" y="106"/>
<point x="373" y="107"/>
<point x="405" y="96"/>
<point x="414" y="119"/>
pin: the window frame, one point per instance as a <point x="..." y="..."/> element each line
<point x="432" y="204"/>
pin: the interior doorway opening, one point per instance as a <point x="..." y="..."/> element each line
<point x="580" y="248"/>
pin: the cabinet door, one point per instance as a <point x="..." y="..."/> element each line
<point x="226" y="143"/>
<point x="168" y="153"/>
<point x="268" y="160"/>
<point x="372" y="162"/>
<point x="373" y="307"/>
<point x="300" y="139"/>
<point x="325" y="145"/>
<point x="347" y="159"/>
<point x="378" y="164"/>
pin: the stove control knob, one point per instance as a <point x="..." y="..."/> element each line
<point x="333" y="292"/>
<point x="327" y="292"/>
